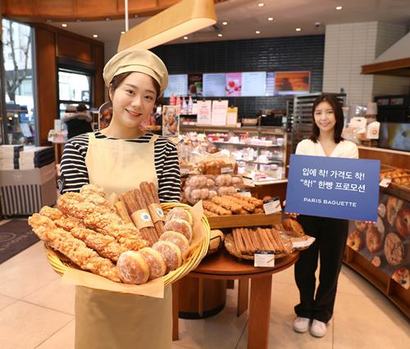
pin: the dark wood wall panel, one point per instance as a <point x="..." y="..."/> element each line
<point x="46" y="78"/>
<point x="52" y="44"/>
<point x="73" y="48"/>
<point x="98" y="81"/>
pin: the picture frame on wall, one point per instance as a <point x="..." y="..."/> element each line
<point x="170" y="121"/>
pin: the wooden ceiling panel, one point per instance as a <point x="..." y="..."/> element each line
<point x="51" y="8"/>
<point x="100" y="8"/>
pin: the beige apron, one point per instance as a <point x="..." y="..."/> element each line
<point x="115" y="320"/>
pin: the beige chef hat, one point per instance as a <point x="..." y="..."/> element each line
<point x="137" y="60"/>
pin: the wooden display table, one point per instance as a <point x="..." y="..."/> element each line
<point x="222" y="266"/>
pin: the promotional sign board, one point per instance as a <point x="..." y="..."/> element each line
<point x="333" y="187"/>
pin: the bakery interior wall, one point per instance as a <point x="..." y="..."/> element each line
<point x="54" y="46"/>
<point x="349" y="46"/>
<point x="272" y="54"/>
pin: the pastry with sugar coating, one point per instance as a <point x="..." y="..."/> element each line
<point x="178" y="239"/>
<point x="155" y="261"/>
<point x="170" y="252"/>
<point x="133" y="268"/>
<point x="179" y="213"/>
<point x="180" y="226"/>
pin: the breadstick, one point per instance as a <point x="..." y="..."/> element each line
<point x="122" y="211"/>
<point x="148" y="229"/>
<point x="152" y="205"/>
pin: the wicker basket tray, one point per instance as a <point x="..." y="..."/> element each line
<point x="197" y="251"/>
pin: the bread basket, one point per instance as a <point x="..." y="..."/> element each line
<point x="197" y="252"/>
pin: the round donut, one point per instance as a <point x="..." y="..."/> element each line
<point x="156" y="263"/>
<point x="180" y="226"/>
<point x="393" y="249"/>
<point x="170" y="252"/>
<point x="178" y="239"/>
<point x="381" y="210"/>
<point x="402" y="276"/>
<point x="133" y="268"/>
<point x="402" y="222"/>
<point x="380" y="226"/>
<point x="179" y="213"/>
<point x="360" y="226"/>
<point x="376" y="261"/>
<point x="373" y="239"/>
<point x="392" y="208"/>
<point x="354" y="240"/>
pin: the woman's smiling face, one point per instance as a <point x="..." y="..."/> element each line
<point x="325" y="117"/>
<point x="133" y="100"/>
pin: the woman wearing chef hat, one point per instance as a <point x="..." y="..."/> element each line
<point x="117" y="159"/>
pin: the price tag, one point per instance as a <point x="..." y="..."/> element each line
<point x="272" y="206"/>
<point x="385" y="182"/>
<point x="264" y="259"/>
<point x="226" y="169"/>
<point x="246" y="194"/>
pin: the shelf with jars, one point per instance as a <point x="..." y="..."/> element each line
<point x="260" y="152"/>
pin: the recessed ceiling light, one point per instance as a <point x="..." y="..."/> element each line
<point x="123" y="32"/>
<point x="270" y="19"/>
<point x="48" y="21"/>
<point x="298" y="29"/>
<point x="257" y="32"/>
<point x="220" y="35"/>
<point x="225" y="23"/>
<point x="95" y="36"/>
<point x="261" y="4"/>
<point x="64" y="25"/>
<point x="135" y="16"/>
<point x="108" y="19"/>
<point x="185" y="38"/>
<point x="339" y="8"/>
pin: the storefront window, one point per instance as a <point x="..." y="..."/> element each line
<point x="20" y="120"/>
<point x="74" y="88"/>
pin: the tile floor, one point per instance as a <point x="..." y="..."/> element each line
<point x="36" y="311"/>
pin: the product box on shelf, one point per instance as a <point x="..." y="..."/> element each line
<point x="23" y="192"/>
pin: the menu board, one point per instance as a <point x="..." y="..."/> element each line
<point x="233" y="86"/>
<point x="177" y="85"/>
<point x="292" y="82"/>
<point x="195" y="85"/>
<point x="214" y="85"/>
<point x="270" y="84"/>
<point x="253" y="84"/>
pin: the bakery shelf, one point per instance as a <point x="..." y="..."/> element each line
<point x="249" y="220"/>
<point x="249" y="145"/>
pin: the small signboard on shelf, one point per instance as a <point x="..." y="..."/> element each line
<point x="204" y="113"/>
<point x="219" y="112"/>
<point x="333" y="187"/>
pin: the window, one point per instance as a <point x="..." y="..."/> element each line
<point x="20" y="121"/>
<point x="74" y="87"/>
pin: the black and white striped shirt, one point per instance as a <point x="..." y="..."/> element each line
<point x="74" y="172"/>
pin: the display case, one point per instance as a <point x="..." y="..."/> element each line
<point x="259" y="151"/>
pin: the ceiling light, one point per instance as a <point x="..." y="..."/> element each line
<point x="108" y="19"/>
<point x="225" y="23"/>
<point x="95" y="36"/>
<point x="339" y="8"/>
<point x="257" y="32"/>
<point x="64" y="25"/>
<point x="48" y="21"/>
<point x="261" y="4"/>
<point x="270" y="19"/>
<point x="183" y="18"/>
<point x="185" y="38"/>
<point x="298" y="29"/>
<point x="135" y="16"/>
<point x="220" y="35"/>
<point x="123" y="32"/>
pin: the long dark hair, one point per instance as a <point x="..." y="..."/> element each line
<point x="118" y="79"/>
<point x="337" y="110"/>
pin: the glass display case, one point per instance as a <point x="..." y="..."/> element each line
<point x="260" y="152"/>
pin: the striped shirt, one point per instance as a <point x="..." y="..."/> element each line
<point x="74" y="172"/>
